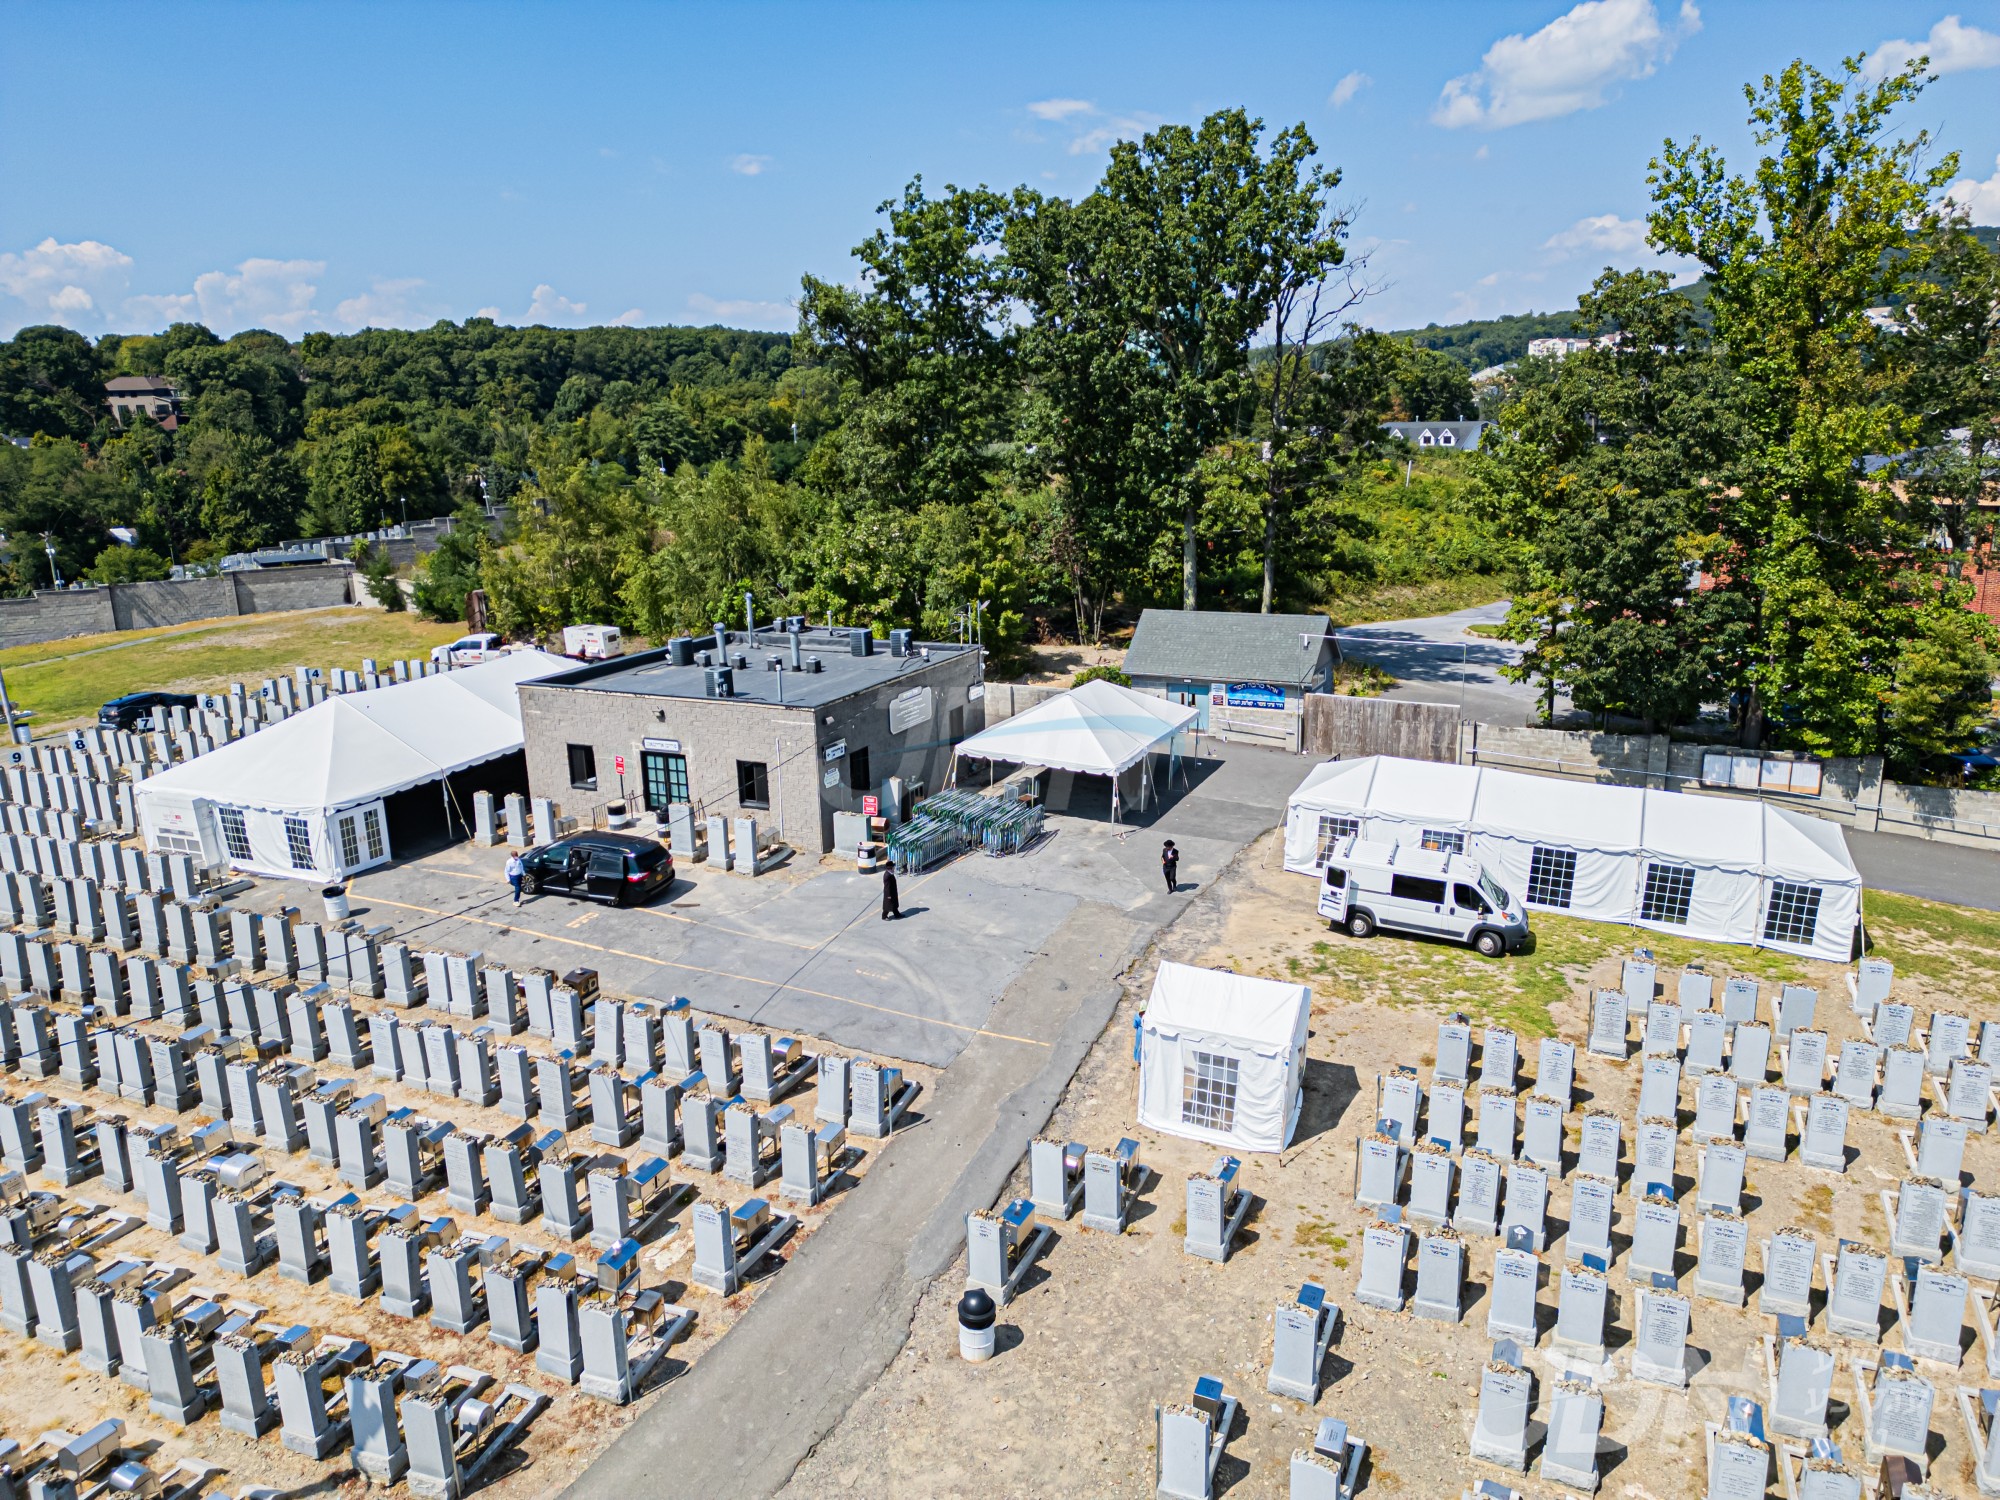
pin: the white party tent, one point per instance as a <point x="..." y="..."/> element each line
<point x="1098" y="729"/>
<point x="1726" y="869"/>
<point x="307" y="796"/>
<point x="1222" y="1057"/>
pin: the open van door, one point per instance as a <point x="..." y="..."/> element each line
<point x="1333" y="891"/>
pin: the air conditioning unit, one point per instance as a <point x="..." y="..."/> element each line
<point x="861" y="642"/>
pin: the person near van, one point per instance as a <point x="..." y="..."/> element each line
<point x="515" y="871"/>
<point x="892" y="901"/>
<point x="1170" y="866"/>
<point x="576" y="867"/>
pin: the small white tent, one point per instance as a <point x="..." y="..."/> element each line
<point x="304" y="798"/>
<point x="1720" y="868"/>
<point x="1099" y="729"/>
<point x="1222" y="1057"/>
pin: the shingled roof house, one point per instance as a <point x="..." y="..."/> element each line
<point x="145" y="395"/>
<point x="1221" y="660"/>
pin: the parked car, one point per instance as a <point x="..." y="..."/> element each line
<point x="142" y="710"/>
<point x="1426" y="891"/>
<point x="468" y="649"/>
<point x="620" y="869"/>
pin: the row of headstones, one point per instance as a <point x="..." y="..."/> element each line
<point x="510" y="823"/>
<point x="1191" y="1437"/>
<point x="72" y="888"/>
<point x="65" y="805"/>
<point x="403" y="1416"/>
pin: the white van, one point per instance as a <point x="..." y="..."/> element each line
<point x="1410" y="889"/>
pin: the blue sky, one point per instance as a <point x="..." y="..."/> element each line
<point x="304" y="165"/>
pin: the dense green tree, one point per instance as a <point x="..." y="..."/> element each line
<point x="121" y="564"/>
<point x="51" y="382"/>
<point x="449" y="574"/>
<point x="1837" y="217"/>
<point x="572" y="549"/>
<point x="1427" y="386"/>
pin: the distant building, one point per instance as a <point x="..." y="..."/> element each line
<point x="143" y="395"/>
<point x="1463" y="436"/>
<point x="1220" y="659"/>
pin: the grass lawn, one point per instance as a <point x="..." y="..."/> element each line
<point x="1516" y="991"/>
<point x="1413" y="601"/>
<point x="65" y="681"/>
<point x="1954" y="945"/>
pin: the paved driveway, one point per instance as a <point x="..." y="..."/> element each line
<point x="1434" y="661"/>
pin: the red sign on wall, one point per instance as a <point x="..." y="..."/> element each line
<point x="871" y="807"/>
<point x="618" y="764"/>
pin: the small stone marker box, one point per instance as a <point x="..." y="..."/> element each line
<point x="1441" y="1276"/>
<point x="1872" y="979"/>
<point x="1805" y="1382"/>
<point x="1447" y="1114"/>
<point x="1432" y="1171"/>
<point x="1696" y="989"/>
<point x="1708" y="1035"/>
<point x="1399" y="1098"/>
<point x="1527" y="1203"/>
<point x="1590" y="1213"/>
<point x="1600" y="1137"/>
<point x="1854" y="1074"/>
<point x="1454" y="1050"/>
<point x="1739" y="1000"/>
<point x="1637" y="983"/>
<point x="1902" y="1095"/>
<point x="1581" y="1298"/>
<point x="1941" y="1149"/>
<point x="1951" y="1039"/>
<point x="1499" y="1058"/>
<point x="1301" y="1331"/>
<point x="1720" y="1183"/>
<point x="1478" y="1193"/>
<point x="1739" y="1466"/>
<point x="1976" y="1249"/>
<point x="1496" y="1123"/>
<point x="1542" y="1132"/>
<point x="1715" y="1108"/>
<point x="1506" y="1392"/>
<point x="1937" y="1316"/>
<point x="1384" y="1247"/>
<point x="1569" y="1452"/>
<point x="1555" y="1070"/>
<point x="1797" y="1003"/>
<point x="1919" y="1221"/>
<point x="1516" y="1277"/>
<point x="1894" y="1021"/>
<point x="1656" y="1233"/>
<point x="1805" y="1062"/>
<point x="1899" y="1411"/>
<point x="1654" y="1152"/>
<point x="1379" y="1165"/>
<point x="1660" y="1088"/>
<point x="1966" y="1096"/>
<point x="1750" y="1054"/>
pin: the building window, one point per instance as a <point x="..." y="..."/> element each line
<point x="350" y="843"/>
<point x="1551" y="877"/>
<point x="753" y="786"/>
<point x="665" y="779"/>
<point x="1793" y="916"/>
<point x="1668" y="895"/>
<point x="1332" y="830"/>
<point x="298" y="842"/>
<point x="1208" y="1091"/>
<point x="1444" y="841"/>
<point x="235" y="837"/>
<point x="583" y="767"/>
<point x="371" y="820"/>
<point x="858" y="779"/>
<point x="957" y="725"/>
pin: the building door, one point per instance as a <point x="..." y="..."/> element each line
<point x="664" y="777"/>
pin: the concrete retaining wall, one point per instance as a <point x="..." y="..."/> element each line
<point x="55" y="615"/>
<point x="1353" y="727"/>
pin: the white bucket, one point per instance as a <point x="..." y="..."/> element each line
<point x="975" y="1344"/>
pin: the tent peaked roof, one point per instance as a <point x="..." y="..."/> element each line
<point x="1260" y="1013"/>
<point x="1097" y="730"/>
<point x="354" y="747"/>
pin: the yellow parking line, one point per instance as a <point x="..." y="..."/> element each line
<point x="668" y="963"/>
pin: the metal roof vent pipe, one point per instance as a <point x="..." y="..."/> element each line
<point x="798" y="654"/>
<point x="750" y="616"/>
<point x="721" y="636"/>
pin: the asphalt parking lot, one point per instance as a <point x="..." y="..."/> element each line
<point x="803" y="949"/>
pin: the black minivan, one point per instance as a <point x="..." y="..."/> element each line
<point x="620" y="869"/>
<point x="142" y="710"/>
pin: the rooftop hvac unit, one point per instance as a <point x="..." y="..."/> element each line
<point x="772" y="663"/>
<point x="740" y="662"/>
<point x="814" y="664"/>
<point x="899" y="642"/>
<point x="704" y="658"/>
<point x="680" y="651"/>
<point x="861" y="642"/>
<point x="796" y="624"/>
<point x="719" y="682"/>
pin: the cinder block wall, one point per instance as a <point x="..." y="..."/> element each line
<point x="56" y="614"/>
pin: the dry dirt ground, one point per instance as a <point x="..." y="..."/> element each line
<point x="1111" y="1325"/>
<point x="43" y="1389"/>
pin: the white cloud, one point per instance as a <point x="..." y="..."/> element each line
<point x="745" y="312"/>
<point x="1979" y="199"/>
<point x="748" y="165"/>
<point x="1347" y="88"/>
<point x="1952" y="47"/>
<point x="161" y="309"/>
<point x="632" y="317"/>
<point x="1103" y="137"/>
<point x="260" y="293"/>
<point x="550" y="306"/>
<point x="488" y="312"/>
<point x="1600" y="233"/>
<point x="1568" y="65"/>
<point x="61" y="283"/>
<point x="389" y="303"/>
<point x="1060" y="109"/>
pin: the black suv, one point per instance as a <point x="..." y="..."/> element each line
<point x="621" y="869"/>
<point x="137" y="710"/>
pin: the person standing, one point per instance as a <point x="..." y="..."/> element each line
<point x="892" y="901"/>
<point x="515" y="872"/>
<point x="1170" y="866"/>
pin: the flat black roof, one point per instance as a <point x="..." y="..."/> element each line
<point x="842" y="673"/>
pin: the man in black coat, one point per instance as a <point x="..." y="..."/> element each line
<point x="1170" y="866"/>
<point x="892" y="905"/>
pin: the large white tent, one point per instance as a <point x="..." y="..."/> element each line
<point x="1721" y="868"/>
<point x="1222" y="1057"/>
<point x="305" y="797"/>
<point x="1098" y="729"/>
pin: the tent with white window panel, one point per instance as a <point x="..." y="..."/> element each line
<point x="1726" y="869"/>
<point x="307" y="797"/>
<point x="1222" y="1057"/>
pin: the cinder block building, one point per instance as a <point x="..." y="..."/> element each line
<point x="786" y="724"/>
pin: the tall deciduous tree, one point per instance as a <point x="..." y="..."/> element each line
<point x="1836" y="218"/>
